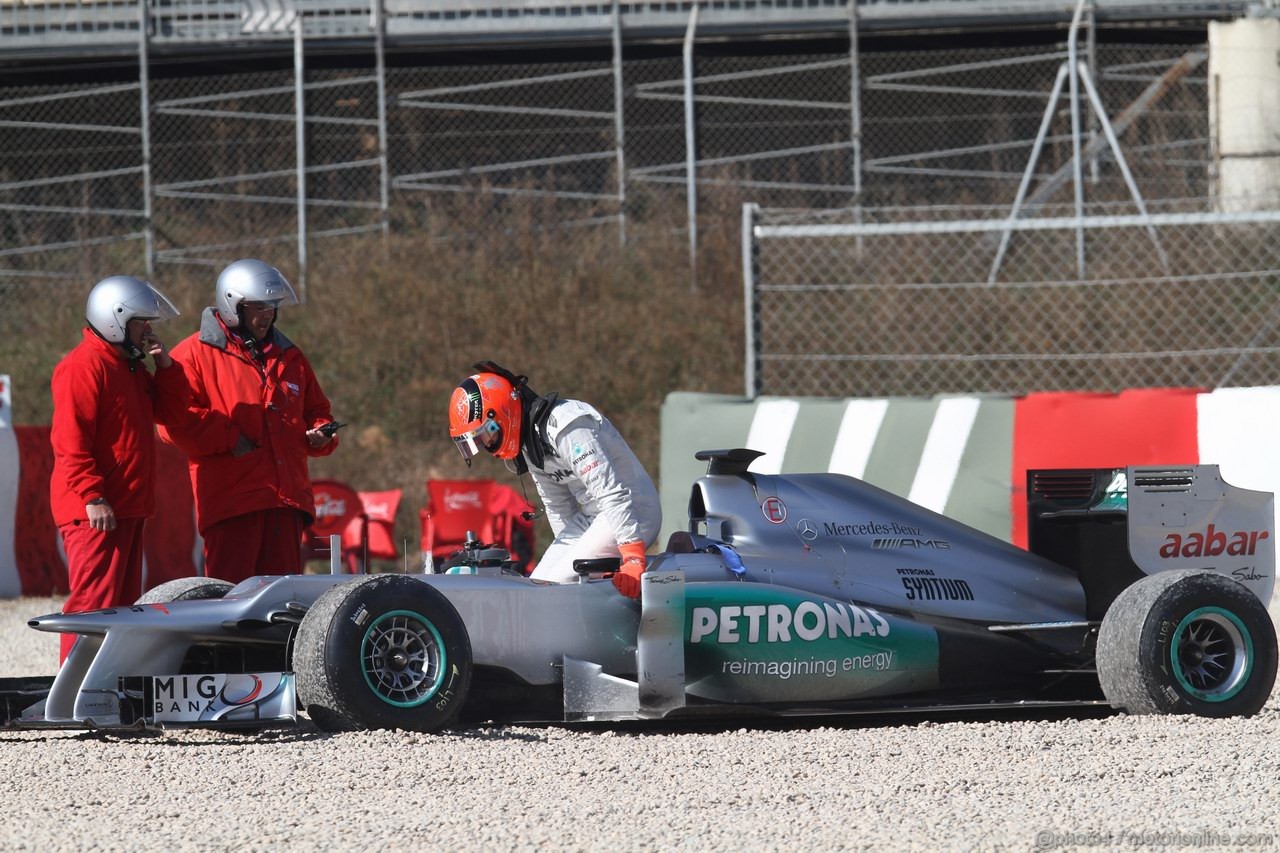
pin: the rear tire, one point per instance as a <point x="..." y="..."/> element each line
<point x="186" y="589"/>
<point x="384" y="652"/>
<point x="1187" y="642"/>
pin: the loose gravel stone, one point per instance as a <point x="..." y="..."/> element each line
<point x="981" y="783"/>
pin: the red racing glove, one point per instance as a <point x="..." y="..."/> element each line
<point x="627" y="578"/>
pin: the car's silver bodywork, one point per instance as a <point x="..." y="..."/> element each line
<point x="811" y="591"/>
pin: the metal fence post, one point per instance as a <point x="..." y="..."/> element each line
<point x="379" y="47"/>
<point x="300" y="122"/>
<point x="690" y="146"/>
<point x="855" y="101"/>
<point x="1076" y="167"/>
<point x="1028" y="173"/>
<point x="1091" y="47"/>
<point x="855" y="116"/>
<point x="1100" y="111"/>
<point x="750" y="302"/>
<point x="619" y="126"/>
<point x="144" y="109"/>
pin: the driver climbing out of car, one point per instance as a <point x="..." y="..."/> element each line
<point x="598" y="498"/>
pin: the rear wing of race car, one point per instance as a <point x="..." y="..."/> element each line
<point x="1115" y="525"/>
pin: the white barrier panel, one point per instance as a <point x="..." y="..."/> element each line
<point x="10" y="585"/>
<point x="770" y="431"/>
<point x="950" y="454"/>
<point x="940" y="461"/>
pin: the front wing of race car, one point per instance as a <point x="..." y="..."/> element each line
<point x="126" y="668"/>
<point x="225" y="700"/>
<point x="131" y="666"/>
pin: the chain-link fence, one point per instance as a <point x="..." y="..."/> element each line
<point x="1011" y="288"/>
<point x="223" y="164"/>
<point x="531" y="137"/>
<point x="70" y="177"/>
<point x="896" y="305"/>
<point x="894" y="145"/>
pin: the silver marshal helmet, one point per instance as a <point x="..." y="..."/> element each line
<point x="115" y="301"/>
<point x="248" y="280"/>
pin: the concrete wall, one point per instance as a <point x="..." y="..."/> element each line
<point x="1244" y="111"/>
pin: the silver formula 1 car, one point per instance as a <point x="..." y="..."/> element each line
<point x="1144" y="588"/>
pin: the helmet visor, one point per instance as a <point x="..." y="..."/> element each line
<point x="277" y="293"/>
<point x="150" y="304"/>
<point x="486" y="436"/>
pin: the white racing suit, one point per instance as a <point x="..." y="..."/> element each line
<point x="595" y="492"/>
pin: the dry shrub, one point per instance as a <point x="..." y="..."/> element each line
<point x="391" y="327"/>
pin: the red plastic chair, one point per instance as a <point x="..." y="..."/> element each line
<point x="492" y="511"/>
<point x="513" y="531"/>
<point x="371" y="534"/>
<point x="453" y="508"/>
<point x="337" y="506"/>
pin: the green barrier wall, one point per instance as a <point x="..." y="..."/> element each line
<point x="953" y="454"/>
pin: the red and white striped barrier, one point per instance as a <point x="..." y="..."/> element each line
<point x="964" y="456"/>
<point x="1233" y="428"/>
<point x="967" y="457"/>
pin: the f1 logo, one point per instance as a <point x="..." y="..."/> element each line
<point x="774" y="510"/>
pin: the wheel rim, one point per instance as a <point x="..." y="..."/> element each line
<point x="403" y="659"/>
<point x="1212" y="654"/>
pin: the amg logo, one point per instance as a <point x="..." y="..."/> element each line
<point x="886" y="544"/>
<point x="937" y="589"/>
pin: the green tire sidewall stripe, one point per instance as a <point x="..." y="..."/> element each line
<point x="1177" y="665"/>
<point x="440" y="672"/>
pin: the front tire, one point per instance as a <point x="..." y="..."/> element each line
<point x="1187" y="642"/>
<point x="186" y="589"/>
<point x="382" y="652"/>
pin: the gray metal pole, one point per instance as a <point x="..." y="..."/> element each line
<point x="749" y="211"/>
<point x="690" y="147"/>
<point x="855" y="101"/>
<point x="1091" y="47"/>
<point x="300" y="125"/>
<point x="855" y="117"/>
<point x="1114" y="142"/>
<point x="619" y="127"/>
<point x="1073" y="74"/>
<point x="1126" y="118"/>
<point x="379" y="47"/>
<point x="144" y="107"/>
<point x="1027" y="174"/>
